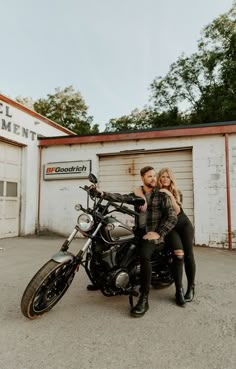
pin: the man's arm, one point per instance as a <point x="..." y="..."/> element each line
<point x="116" y="197"/>
<point x="110" y="196"/>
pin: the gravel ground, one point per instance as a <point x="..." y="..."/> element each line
<point x="87" y="330"/>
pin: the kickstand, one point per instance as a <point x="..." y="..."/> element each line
<point x="131" y="297"/>
<point x="131" y="301"/>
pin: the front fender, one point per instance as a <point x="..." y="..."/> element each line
<point x="63" y="257"/>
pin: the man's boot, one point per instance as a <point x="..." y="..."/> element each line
<point x="141" y="307"/>
<point x="189" y="295"/>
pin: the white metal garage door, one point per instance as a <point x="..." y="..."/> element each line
<point x="120" y="173"/>
<point x="10" y="175"/>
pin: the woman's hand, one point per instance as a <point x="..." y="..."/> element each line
<point x="151" y="236"/>
<point x="166" y="191"/>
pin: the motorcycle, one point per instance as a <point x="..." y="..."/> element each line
<point x="109" y="257"/>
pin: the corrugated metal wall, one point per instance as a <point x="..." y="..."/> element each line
<point x="121" y="173"/>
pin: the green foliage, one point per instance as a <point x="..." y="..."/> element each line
<point x="145" y="119"/>
<point x="199" y="88"/>
<point x="65" y="107"/>
<point x="205" y="82"/>
<point x="135" y="121"/>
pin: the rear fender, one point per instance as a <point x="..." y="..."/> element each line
<point x="63" y="257"/>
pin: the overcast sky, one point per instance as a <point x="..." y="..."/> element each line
<point x="109" y="50"/>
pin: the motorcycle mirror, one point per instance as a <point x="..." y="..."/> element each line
<point x="92" y="178"/>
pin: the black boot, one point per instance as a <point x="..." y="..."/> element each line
<point x="179" y="297"/>
<point x="92" y="287"/>
<point x="189" y="295"/>
<point x="178" y="274"/>
<point x="141" y="307"/>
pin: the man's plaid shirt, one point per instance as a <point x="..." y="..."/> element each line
<point x="161" y="215"/>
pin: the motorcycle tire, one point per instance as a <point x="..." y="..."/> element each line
<point x="46" y="288"/>
<point x="161" y="285"/>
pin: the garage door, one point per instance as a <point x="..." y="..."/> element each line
<point x="120" y="173"/>
<point x="10" y="174"/>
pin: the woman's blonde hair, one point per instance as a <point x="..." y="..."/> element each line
<point x="173" y="186"/>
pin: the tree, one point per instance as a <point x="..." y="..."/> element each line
<point x="67" y="108"/>
<point x="145" y="119"/>
<point x="205" y="82"/>
<point x="138" y="119"/>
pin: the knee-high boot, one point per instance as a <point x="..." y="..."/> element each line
<point x="178" y="275"/>
<point x="190" y="270"/>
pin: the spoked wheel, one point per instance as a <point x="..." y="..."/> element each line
<point x="46" y="288"/>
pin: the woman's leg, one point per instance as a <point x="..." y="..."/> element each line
<point x="174" y="241"/>
<point x="186" y="232"/>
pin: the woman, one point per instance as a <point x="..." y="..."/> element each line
<point x="183" y="233"/>
<point x="180" y="238"/>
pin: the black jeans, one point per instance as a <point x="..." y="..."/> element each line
<point x="146" y="249"/>
<point x="181" y="238"/>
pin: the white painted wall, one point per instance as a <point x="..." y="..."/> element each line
<point x="23" y="128"/>
<point x="58" y="197"/>
<point x="232" y="152"/>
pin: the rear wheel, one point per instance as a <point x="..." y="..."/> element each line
<point x="46" y="288"/>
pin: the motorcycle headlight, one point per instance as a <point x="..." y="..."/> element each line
<point x="85" y="222"/>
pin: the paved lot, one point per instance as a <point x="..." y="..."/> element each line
<point x="87" y="330"/>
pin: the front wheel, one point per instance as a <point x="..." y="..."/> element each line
<point x="46" y="288"/>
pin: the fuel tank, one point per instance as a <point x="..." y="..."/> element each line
<point x="115" y="230"/>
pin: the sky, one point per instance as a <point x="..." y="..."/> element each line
<point x="108" y="50"/>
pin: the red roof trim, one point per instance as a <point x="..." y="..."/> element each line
<point x="34" y="114"/>
<point x="178" y="132"/>
<point x="11" y="142"/>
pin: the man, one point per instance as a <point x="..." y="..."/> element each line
<point x="153" y="225"/>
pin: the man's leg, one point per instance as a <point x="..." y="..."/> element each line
<point x="146" y="250"/>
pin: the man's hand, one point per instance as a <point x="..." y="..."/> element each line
<point x="95" y="191"/>
<point x="151" y="236"/>
<point x="143" y="208"/>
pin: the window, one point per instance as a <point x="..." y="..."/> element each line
<point x="1" y="188"/>
<point x="11" y="189"/>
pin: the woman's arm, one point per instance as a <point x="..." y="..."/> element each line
<point x="139" y="192"/>
<point x="173" y="200"/>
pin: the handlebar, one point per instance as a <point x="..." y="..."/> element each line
<point x="138" y="201"/>
<point x="123" y="209"/>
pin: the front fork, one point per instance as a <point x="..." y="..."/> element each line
<point x="82" y="251"/>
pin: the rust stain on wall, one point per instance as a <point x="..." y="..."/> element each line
<point x="131" y="169"/>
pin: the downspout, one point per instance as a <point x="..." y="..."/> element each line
<point x="228" y="190"/>
<point x="39" y="190"/>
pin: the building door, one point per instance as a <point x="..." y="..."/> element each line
<point x="120" y="173"/>
<point x="10" y="178"/>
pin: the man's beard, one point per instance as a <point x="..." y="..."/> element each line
<point x="150" y="185"/>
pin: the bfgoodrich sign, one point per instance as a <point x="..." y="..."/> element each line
<point x="67" y="170"/>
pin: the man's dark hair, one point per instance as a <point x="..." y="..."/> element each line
<point x="145" y="170"/>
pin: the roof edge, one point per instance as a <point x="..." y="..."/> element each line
<point x="16" y="104"/>
<point x="170" y="132"/>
